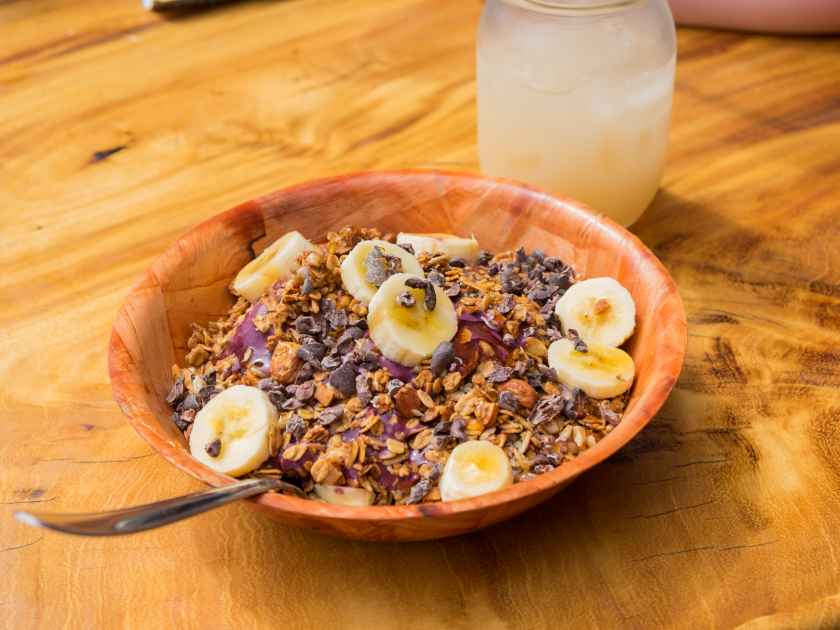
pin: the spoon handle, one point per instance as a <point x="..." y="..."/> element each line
<point x="151" y="515"/>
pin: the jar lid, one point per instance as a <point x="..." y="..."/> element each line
<point x="573" y="6"/>
<point x="581" y="4"/>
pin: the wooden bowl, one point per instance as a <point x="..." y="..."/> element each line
<point x="188" y="283"/>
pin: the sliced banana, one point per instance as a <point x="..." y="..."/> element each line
<point x="601" y="372"/>
<point x="344" y="495"/>
<point x="437" y="243"/>
<point x="401" y="324"/>
<point x="232" y="433"/>
<point x="474" y="468"/>
<point x="599" y="309"/>
<point x="277" y="262"/>
<point x="354" y="268"/>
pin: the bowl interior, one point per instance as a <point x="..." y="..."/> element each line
<point x="188" y="283"/>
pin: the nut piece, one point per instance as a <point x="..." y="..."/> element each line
<point x="469" y="355"/>
<point x="324" y="394"/>
<point x="285" y="362"/>
<point x="407" y="401"/>
<point x="535" y="347"/>
<point x="526" y="396"/>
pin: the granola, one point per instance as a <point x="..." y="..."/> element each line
<point x="348" y="416"/>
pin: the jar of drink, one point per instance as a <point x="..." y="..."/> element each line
<point x="574" y="96"/>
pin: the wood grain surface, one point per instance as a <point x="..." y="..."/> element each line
<point x="122" y="129"/>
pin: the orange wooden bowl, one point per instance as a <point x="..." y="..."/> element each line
<point x="188" y="283"/>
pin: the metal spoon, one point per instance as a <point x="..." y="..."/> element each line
<point x="143" y="517"/>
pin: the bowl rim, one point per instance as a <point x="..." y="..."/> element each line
<point x="128" y="388"/>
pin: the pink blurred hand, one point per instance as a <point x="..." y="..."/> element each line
<point x="773" y="16"/>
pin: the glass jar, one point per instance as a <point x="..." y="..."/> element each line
<point x="574" y="96"/>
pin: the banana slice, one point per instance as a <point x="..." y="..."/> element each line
<point x="475" y="467"/>
<point x="356" y="274"/>
<point x="344" y="495"/>
<point x="599" y="309"/>
<point x="437" y="243"/>
<point x="232" y="433"/>
<point x="406" y="323"/>
<point x="277" y="262"/>
<point x="601" y="372"/>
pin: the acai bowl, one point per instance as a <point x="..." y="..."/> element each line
<point x="495" y="406"/>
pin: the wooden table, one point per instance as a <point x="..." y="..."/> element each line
<point x="121" y="129"/>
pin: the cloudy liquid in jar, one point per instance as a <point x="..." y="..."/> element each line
<point x="578" y="108"/>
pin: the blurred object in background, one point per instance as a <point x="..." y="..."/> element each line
<point x="166" y="5"/>
<point x="771" y="16"/>
<point x="574" y="96"/>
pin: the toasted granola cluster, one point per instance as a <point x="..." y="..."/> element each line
<point x="350" y="417"/>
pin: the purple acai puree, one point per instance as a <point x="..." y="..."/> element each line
<point x="481" y="331"/>
<point x="470" y="317"/>
<point x="248" y="336"/>
<point x="350" y="434"/>
<point x="295" y="468"/>
<point x="397" y="370"/>
<point x="390" y="481"/>
<point x="396" y="428"/>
